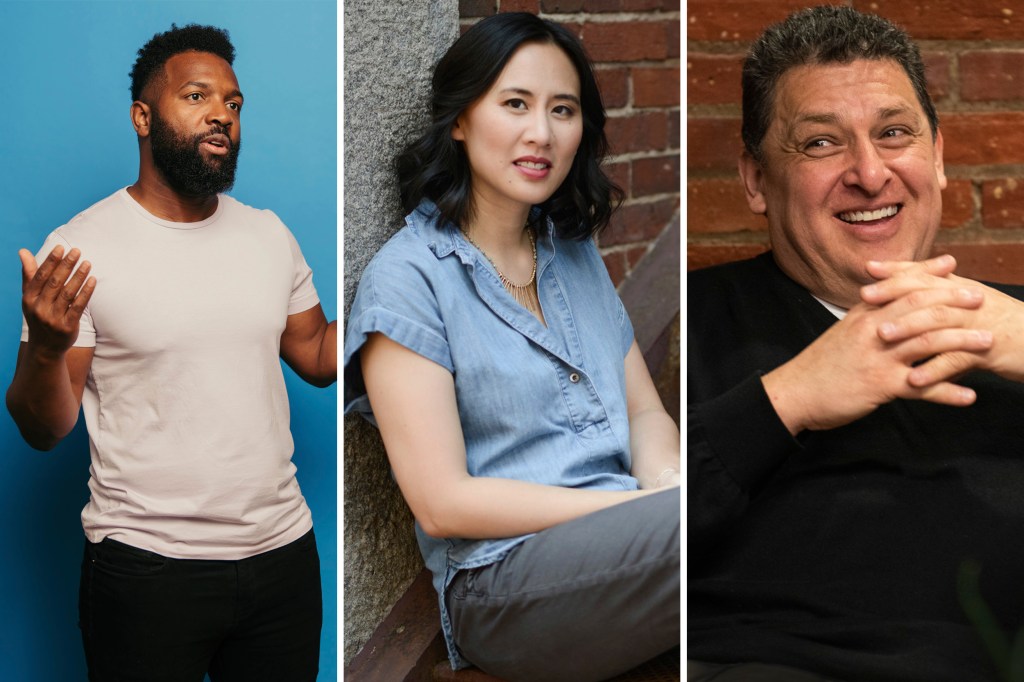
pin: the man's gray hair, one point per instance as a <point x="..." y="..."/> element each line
<point x="822" y="35"/>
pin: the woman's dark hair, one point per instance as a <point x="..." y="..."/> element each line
<point x="436" y="167"/>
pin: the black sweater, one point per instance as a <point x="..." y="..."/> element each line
<point x="838" y="551"/>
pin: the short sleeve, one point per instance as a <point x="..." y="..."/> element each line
<point x="304" y="294"/>
<point x="397" y="298"/>
<point x="625" y="326"/>
<point x="86" y="331"/>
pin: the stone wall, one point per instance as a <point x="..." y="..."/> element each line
<point x="389" y="57"/>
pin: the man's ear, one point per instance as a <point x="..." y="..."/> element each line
<point x="752" y="176"/>
<point x="140" y="114"/>
<point x="940" y="168"/>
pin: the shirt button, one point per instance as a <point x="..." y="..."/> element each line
<point x="574" y="378"/>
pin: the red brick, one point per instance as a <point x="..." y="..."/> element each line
<point x="656" y="87"/>
<point x="598" y="6"/>
<point x="674" y="41"/>
<point x="615" y="264"/>
<point x="713" y="143"/>
<point x="620" y="262"/>
<point x="674" y="124"/>
<point x="975" y="139"/>
<point x="519" y="6"/>
<point x="639" y="222"/>
<point x="713" y="79"/>
<point x="656" y="175"/>
<point x="614" y="85"/>
<point x="575" y="28"/>
<point x="634" y="256"/>
<point x="627" y="41"/>
<point x="936" y="70"/>
<point x="952" y="19"/>
<point x="639" y="132"/>
<point x="1002" y="203"/>
<point x="562" y="6"/>
<point x="619" y="173"/>
<point x="990" y="262"/>
<point x="704" y="255"/>
<point x="957" y="204"/>
<point x="720" y="206"/>
<point x="477" y="8"/>
<point x="991" y="76"/>
<point x="735" y="20"/>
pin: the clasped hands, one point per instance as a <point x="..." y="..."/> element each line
<point x="917" y="329"/>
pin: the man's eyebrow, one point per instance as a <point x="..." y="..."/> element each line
<point x="814" y="118"/>
<point x="883" y="113"/>
<point x="206" y="86"/>
<point x="892" y="112"/>
<point x="523" y="91"/>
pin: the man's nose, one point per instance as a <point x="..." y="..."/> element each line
<point x="220" y="114"/>
<point x="866" y="169"/>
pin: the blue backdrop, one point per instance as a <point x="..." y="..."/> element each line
<point x="65" y="142"/>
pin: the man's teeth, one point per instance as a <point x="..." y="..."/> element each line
<point x="865" y="216"/>
<point x="531" y="164"/>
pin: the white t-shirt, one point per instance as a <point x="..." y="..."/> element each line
<point x="185" y="402"/>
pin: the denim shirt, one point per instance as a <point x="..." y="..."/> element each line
<point x="545" y="404"/>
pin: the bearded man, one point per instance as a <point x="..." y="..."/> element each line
<point x="200" y="556"/>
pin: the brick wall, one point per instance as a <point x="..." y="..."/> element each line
<point x="635" y="48"/>
<point x="974" y="54"/>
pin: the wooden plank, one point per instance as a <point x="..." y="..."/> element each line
<point x="651" y="294"/>
<point x="407" y="644"/>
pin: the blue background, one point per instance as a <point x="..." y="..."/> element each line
<point x="66" y="142"/>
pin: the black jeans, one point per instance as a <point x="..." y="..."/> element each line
<point x="147" y="617"/>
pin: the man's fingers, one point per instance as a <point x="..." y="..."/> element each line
<point x="59" y="276"/>
<point x="45" y="269"/>
<point x="927" y="310"/>
<point x="940" y="266"/>
<point x="946" y="393"/>
<point x="73" y="285"/>
<point x="933" y="343"/>
<point x="897" y="278"/>
<point x="77" y="307"/>
<point x="28" y="266"/>
<point x="942" y="367"/>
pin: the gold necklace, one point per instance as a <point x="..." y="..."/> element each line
<point x="523" y="294"/>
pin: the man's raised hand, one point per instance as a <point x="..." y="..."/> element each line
<point x="53" y="299"/>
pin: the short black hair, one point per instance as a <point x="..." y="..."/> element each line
<point x="436" y="167"/>
<point x="162" y="46"/>
<point x="822" y="35"/>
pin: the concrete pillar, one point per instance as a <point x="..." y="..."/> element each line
<point x="390" y="50"/>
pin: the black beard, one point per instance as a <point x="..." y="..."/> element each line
<point x="182" y="164"/>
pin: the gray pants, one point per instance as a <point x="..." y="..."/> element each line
<point x="584" y="600"/>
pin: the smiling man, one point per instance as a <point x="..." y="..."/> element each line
<point x="200" y="555"/>
<point x="846" y="462"/>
